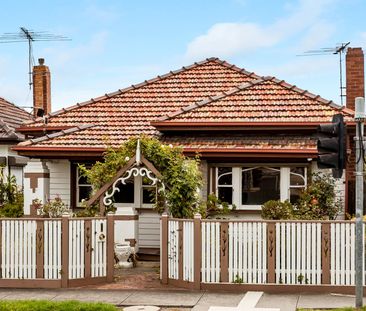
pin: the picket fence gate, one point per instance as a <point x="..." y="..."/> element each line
<point x="56" y="252"/>
<point x="228" y="254"/>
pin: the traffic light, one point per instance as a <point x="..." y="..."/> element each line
<point x="331" y="146"/>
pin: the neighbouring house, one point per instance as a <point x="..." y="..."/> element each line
<point x="256" y="137"/>
<point x="11" y="117"/>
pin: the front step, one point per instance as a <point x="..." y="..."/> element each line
<point x="148" y="254"/>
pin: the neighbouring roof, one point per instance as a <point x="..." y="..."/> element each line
<point x="209" y="91"/>
<point x="11" y="117"/>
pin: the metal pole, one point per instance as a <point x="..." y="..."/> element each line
<point x="359" y="260"/>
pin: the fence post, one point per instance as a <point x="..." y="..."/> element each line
<point x="87" y="247"/>
<point x="164" y="248"/>
<point x="65" y="250"/>
<point x="197" y="250"/>
<point x="224" y="260"/>
<point x="180" y="251"/>
<point x="40" y="249"/>
<point x="325" y="238"/>
<point x="271" y="252"/>
<point x="110" y="247"/>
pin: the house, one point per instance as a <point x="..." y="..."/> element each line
<point x="11" y="117"/>
<point x="255" y="135"/>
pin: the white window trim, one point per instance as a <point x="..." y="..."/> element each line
<point x="285" y="186"/>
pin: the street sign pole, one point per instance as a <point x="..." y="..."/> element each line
<point x="359" y="118"/>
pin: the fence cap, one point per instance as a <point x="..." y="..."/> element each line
<point x="197" y="216"/>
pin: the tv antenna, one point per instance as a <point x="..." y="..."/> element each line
<point x="340" y="50"/>
<point x="31" y="36"/>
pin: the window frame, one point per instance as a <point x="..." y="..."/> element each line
<point x="285" y="187"/>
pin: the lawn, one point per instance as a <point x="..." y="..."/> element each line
<point x="45" y="305"/>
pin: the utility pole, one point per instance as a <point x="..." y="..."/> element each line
<point x="360" y="158"/>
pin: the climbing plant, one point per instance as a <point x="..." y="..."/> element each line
<point x="180" y="174"/>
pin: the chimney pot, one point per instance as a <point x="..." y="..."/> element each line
<point x="41" y="61"/>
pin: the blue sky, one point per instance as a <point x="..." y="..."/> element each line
<point x="118" y="43"/>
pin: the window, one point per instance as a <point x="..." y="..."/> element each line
<point x="249" y="187"/>
<point x="83" y="188"/>
<point x="126" y="192"/>
<point x="225" y="184"/>
<point x="148" y="192"/>
<point x="297" y="182"/>
<point x="259" y="185"/>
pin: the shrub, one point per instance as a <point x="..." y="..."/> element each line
<point x="277" y="210"/>
<point x="11" y="197"/>
<point x="213" y="207"/>
<point x="318" y="200"/>
<point x="52" y="208"/>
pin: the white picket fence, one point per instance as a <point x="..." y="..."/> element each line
<point x="298" y="252"/>
<point x="20" y="245"/>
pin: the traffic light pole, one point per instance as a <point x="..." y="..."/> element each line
<point x="360" y="108"/>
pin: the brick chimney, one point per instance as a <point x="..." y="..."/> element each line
<point x="355" y="76"/>
<point x="41" y="89"/>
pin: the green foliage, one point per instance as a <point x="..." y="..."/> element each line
<point x="52" y="208"/>
<point x="11" y="197"/>
<point x="238" y="279"/>
<point x="318" y="200"/>
<point x="180" y="174"/>
<point x="46" y="305"/>
<point x="277" y="210"/>
<point x="213" y="207"/>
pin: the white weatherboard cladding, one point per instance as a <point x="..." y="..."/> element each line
<point x="60" y="179"/>
<point x="149" y="229"/>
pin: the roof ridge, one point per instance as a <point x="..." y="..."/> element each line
<point x="57" y="134"/>
<point x="10" y="131"/>
<point x="211" y="99"/>
<point x="144" y="83"/>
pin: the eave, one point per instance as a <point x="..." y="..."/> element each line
<point x="235" y="126"/>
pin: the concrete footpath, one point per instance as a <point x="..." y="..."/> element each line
<point x="190" y="300"/>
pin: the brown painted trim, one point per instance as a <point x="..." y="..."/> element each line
<point x="102" y="190"/>
<point x="325" y="247"/>
<point x="214" y="180"/>
<point x="180" y="251"/>
<point x="40" y="249"/>
<point x="182" y="284"/>
<point x="164" y="249"/>
<point x="151" y="167"/>
<point x="110" y="247"/>
<point x="224" y="252"/>
<point x="197" y="235"/>
<point x="65" y="251"/>
<point x="126" y="217"/>
<point x="251" y="151"/>
<point x="280" y="288"/>
<point x="87" y="281"/>
<point x="271" y="252"/>
<point x="34" y="179"/>
<point x="87" y="247"/>
<point x="35" y="283"/>
<point x="215" y="124"/>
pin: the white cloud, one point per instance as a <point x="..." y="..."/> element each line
<point x="229" y="39"/>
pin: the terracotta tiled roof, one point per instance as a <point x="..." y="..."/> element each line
<point x="11" y="117"/>
<point x="263" y="100"/>
<point x="209" y="90"/>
